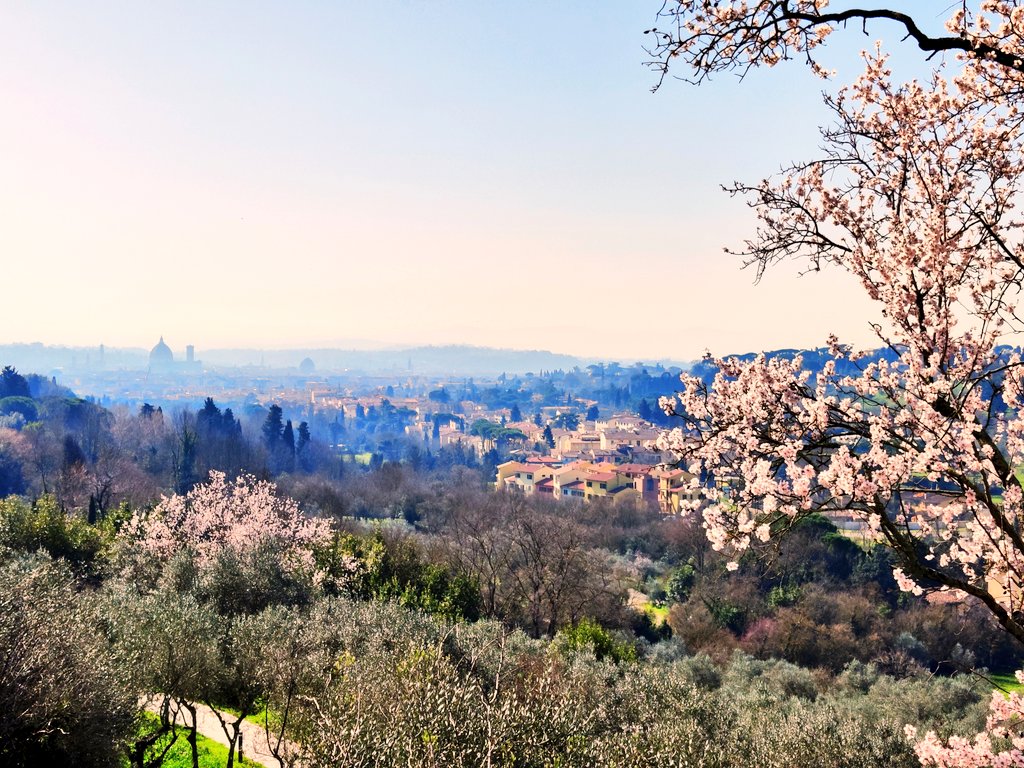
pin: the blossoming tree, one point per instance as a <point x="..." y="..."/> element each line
<point x="221" y="517"/>
<point x="247" y="546"/>
<point x="917" y="196"/>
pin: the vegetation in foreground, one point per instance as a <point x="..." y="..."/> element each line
<point x="178" y="753"/>
<point x="230" y="597"/>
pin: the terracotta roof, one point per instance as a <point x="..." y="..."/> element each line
<point x="636" y="468"/>
<point x="669" y="473"/>
<point x="546" y="460"/>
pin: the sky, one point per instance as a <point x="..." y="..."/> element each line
<point x="337" y="173"/>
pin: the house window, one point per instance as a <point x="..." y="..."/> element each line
<point x="604" y="485"/>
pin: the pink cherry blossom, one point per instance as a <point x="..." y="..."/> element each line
<point x="917" y="196"/>
<point x="219" y="516"/>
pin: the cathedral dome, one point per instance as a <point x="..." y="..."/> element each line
<point x="161" y="356"/>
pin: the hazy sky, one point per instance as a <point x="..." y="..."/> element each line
<point x="309" y="173"/>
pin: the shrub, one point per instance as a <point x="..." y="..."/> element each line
<point x="63" y="702"/>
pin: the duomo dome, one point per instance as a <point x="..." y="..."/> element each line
<point x="161" y="356"/>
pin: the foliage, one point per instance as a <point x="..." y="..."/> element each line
<point x="24" y="406"/>
<point x="13" y="384"/>
<point x="439" y="395"/>
<point x="494" y="432"/>
<point x="566" y="421"/>
<point x="384" y="686"/>
<point x="591" y="636"/>
<point x="680" y="582"/>
<point x="534" y="567"/>
<point x="393" y="568"/>
<point x="42" y="525"/>
<point x="62" y="700"/>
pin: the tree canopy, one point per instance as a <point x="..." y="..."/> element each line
<point x="916" y="194"/>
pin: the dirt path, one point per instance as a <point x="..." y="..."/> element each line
<point x="254" y="737"/>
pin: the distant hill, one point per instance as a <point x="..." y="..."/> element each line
<point x="46" y="359"/>
<point x="451" y="359"/>
<point x="814" y="360"/>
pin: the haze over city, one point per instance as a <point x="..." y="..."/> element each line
<point x="354" y="174"/>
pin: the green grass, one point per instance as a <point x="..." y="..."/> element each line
<point x="658" y="613"/>
<point x="257" y="718"/>
<point x="211" y="753"/>
<point x="1007" y="682"/>
<point x="358" y="458"/>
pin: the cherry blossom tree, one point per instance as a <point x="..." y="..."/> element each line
<point x="916" y="195"/>
<point x="229" y="519"/>
<point x="715" y="36"/>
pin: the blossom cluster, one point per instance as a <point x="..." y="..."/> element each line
<point x="227" y="516"/>
<point x="1001" y="745"/>
<point x="917" y="197"/>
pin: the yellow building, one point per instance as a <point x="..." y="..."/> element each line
<point x="674" y="489"/>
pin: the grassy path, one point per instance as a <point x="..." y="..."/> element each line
<point x="254" y="739"/>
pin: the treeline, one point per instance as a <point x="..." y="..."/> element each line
<point x="89" y="457"/>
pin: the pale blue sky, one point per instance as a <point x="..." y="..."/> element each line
<point x="306" y="173"/>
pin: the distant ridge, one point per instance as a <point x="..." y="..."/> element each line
<point x="452" y="359"/>
<point x="449" y="359"/>
<point x="814" y="360"/>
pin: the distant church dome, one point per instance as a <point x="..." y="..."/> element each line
<point x="161" y="356"/>
<point x="307" y="365"/>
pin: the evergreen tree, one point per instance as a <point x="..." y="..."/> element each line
<point x="209" y="419"/>
<point x="548" y="437"/>
<point x="13" y="384"/>
<point x="273" y="427"/>
<point x="304" y="455"/>
<point x="515" y="414"/>
<point x="567" y="421"/>
<point x="303" y="441"/>
<point x="288" y="438"/>
<point x="336" y="427"/>
<point x="592" y="413"/>
<point x="644" y="410"/>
